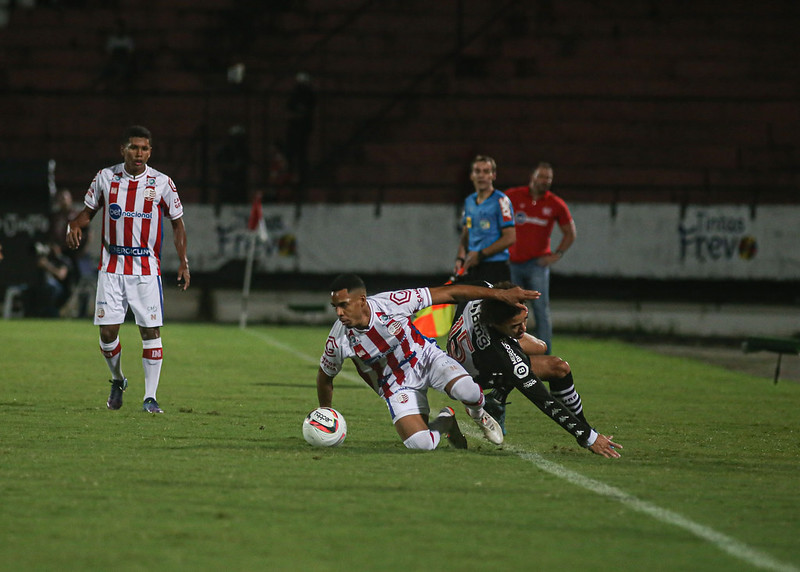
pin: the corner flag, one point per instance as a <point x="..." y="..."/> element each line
<point x="435" y="321"/>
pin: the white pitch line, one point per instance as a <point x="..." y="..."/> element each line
<point x="725" y="543"/>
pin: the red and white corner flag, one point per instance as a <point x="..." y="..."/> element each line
<point x="256" y="220"/>
<point x="258" y="232"/>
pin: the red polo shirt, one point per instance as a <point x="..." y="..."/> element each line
<point x="534" y="222"/>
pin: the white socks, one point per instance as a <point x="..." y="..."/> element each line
<point x="152" y="353"/>
<point x="112" y="354"/>
<point x="425" y="440"/>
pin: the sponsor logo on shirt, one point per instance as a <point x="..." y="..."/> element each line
<point x="520" y="367"/>
<point x="522" y="218"/>
<point x="128" y="250"/>
<point x="115" y="212"/>
<point x="505" y="208"/>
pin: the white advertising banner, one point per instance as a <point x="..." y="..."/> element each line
<point x="666" y="242"/>
<point x="631" y="241"/>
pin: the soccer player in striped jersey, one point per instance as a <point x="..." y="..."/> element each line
<point x="400" y="364"/>
<point x="134" y="198"/>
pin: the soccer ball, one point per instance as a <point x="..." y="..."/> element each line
<point x="324" y="427"/>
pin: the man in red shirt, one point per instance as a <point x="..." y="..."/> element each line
<point x="536" y="211"/>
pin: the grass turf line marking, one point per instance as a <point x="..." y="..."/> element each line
<point x="723" y="542"/>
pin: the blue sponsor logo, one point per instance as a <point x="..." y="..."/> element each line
<point x="135" y="214"/>
<point x="115" y="212"/>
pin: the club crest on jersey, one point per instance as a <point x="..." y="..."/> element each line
<point x="115" y="211"/>
<point x="149" y="194"/>
<point x="394" y="327"/>
<point x="402" y="398"/>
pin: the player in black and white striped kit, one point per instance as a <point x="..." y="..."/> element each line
<point x="486" y="339"/>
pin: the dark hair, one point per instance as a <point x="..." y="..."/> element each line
<point x="495" y="312"/>
<point x="542" y="165"/>
<point x="136" y="131"/>
<point x="347" y="282"/>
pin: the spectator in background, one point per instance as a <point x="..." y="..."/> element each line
<point x="300" y="106"/>
<point x="537" y="210"/>
<point x="487" y="227"/>
<point x="279" y="176"/>
<point x="54" y="285"/>
<point x="121" y="67"/>
<point x="82" y="268"/>
<point x="233" y="160"/>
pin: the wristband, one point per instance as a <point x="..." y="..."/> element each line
<point x="460" y="259"/>
<point x="560" y="253"/>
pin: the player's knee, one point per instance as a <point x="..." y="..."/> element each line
<point x="422" y="440"/>
<point x="561" y="367"/>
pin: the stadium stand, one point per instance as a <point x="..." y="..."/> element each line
<point x="678" y="102"/>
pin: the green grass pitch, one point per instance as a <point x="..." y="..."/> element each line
<point x="224" y="480"/>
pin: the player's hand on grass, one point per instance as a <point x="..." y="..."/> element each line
<point x="605" y="447"/>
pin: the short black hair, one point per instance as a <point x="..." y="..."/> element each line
<point x="347" y="282"/>
<point x="495" y="312"/>
<point x="137" y="131"/>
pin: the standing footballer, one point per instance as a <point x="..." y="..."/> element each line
<point x="134" y="198"/>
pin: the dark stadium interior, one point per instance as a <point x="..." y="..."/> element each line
<point x="676" y="102"/>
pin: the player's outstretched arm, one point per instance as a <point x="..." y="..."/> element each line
<point x="605" y="447"/>
<point x="324" y="388"/>
<point x="455" y="293"/>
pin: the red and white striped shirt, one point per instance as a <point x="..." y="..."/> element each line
<point x="133" y="208"/>
<point x="386" y="352"/>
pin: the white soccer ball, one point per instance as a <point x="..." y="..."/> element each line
<point x="324" y="427"/>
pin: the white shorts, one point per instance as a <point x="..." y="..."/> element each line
<point x="436" y="369"/>
<point x="115" y="292"/>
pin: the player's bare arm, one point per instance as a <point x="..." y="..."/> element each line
<point x="532" y="345"/>
<point x="324" y="388"/>
<point x="454" y="293"/>
<point x="75" y="227"/>
<point x="461" y="255"/>
<point x="179" y="238"/>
